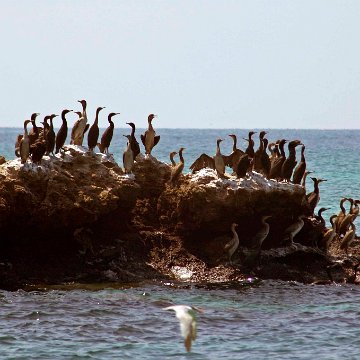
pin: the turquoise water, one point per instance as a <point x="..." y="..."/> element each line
<point x="272" y="320"/>
<point x="331" y="154"/>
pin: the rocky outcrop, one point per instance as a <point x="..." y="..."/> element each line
<point x="78" y="217"/>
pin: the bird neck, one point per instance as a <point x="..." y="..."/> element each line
<point x="25" y="130"/>
<point x="234" y="143"/>
<point x="97" y="117"/>
<point x="63" y="118"/>
<point x="316" y="187"/>
<point x="303" y="154"/>
<point x="181" y="156"/>
<point x="282" y="151"/>
<point x="132" y="131"/>
<point x="150" y="127"/>
<point x="172" y="159"/>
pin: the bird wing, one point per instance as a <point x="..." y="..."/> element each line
<point x="86" y="128"/>
<point x="156" y="139"/>
<point x="203" y="161"/>
<point x="73" y="130"/>
<point x="143" y="138"/>
<point x="232" y="159"/>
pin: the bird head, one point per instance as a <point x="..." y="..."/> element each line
<point x="65" y="111"/>
<point x="83" y="103"/>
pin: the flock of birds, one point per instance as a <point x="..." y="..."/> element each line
<point x="40" y="141"/>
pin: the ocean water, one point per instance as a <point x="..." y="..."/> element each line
<point x="269" y="320"/>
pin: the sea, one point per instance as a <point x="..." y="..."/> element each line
<point x="252" y="320"/>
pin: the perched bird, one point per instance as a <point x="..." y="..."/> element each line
<point x="93" y="134"/>
<point x="172" y="154"/>
<point x="348" y="238"/>
<point x="178" y="168"/>
<point x="24" y="146"/>
<point x="355" y="209"/>
<point x="345" y="223"/>
<point x="231" y="246"/>
<point x="265" y="160"/>
<point x="133" y="142"/>
<point x="313" y="198"/>
<point x="187" y="317"/>
<point x="38" y="150"/>
<point x="277" y="163"/>
<point x="319" y="216"/>
<point x="341" y="214"/>
<point x="250" y="148"/>
<point x="219" y="160"/>
<point x="300" y="168"/>
<point x="50" y="136"/>
<point x="107" y="135"/>
<point x="257" y="164"/>
<point x="149" y="138"/>
<point x="203" y="161"/>
<point x="17" y="144"/>
<point x="128" y="156"/>
<point x="292" y="230"/>
<point x="35" y="131"/>
<point x="78" y="130"/>
<point x="62" y="133"/>
<point x="329" y="235"/>
<point x="290" y="162"/>
<point x="233" y="159"/>
<point x="261" y="234"/>
<point x="243" y="166"/>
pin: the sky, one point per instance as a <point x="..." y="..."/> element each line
<point x="196" y="64"/>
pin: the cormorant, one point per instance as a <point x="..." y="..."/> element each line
<point x="78" y="130"/>
<point x="149" y="139"/>
<point x="300" y="168"/>
<point x="231" y="246"/>
<point x="313" y="198"/>
<point x="107" y="135"/>
<point x="62" y="133"/>
<point x="93" y="134"/>
<point x="261" y="234"/>
<point x="35" y="131"/>
<point x="319" y="216"/>
<point x="292" y="230"/>
<point x="25" y="144"/>
<point x="218" y="160"/>
<point x="243" y="166"/>
<point x="177" y="169"/>
<point x="276" y="165"/>
<point x="133" y="142"/>
<point x="233" y="159"/>
<point x="250" y="148"/>
<point x="329" y="235"/>
<point x="257" y="164"/>
<point x="290" y="162"/>
<point x="265" y="160"/>
<point x="50" y="136"/>
<point x="172" y="154"/>
<point x="128" y="156"/>
<point x="348" y="238"/>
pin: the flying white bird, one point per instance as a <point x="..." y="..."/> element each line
<point x="187" y="317"/>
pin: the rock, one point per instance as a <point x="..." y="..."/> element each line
<point x="78" y="217"/>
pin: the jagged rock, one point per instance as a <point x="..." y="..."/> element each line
<point x="78" y="217"/>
